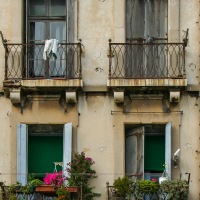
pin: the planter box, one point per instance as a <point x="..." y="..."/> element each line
<point x="45" y="189"/>
<point x="72" y="189"/>
<point x="51" y="189"/>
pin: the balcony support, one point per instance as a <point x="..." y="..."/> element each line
<point x="71" y="97"/>
<point x="119" y="97"/>
<point x="15" y="95"/>
<point x="174" y="96"/>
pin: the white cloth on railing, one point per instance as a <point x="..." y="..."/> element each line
<point x="50" y="49"/>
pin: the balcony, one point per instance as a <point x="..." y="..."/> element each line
<point x="26" y="66"/>
<point x="142" y="64"/>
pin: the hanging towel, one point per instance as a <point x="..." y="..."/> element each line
<point x="50" y="49"/>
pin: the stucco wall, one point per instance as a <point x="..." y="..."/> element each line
<point x="95" y="130"/>
<point x="37" y="112"/>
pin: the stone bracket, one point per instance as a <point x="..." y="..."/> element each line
<point x="15" y="95"/>
<point x="119" y="96"/>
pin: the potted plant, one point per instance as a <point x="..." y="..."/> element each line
<point x="80" y="173"/>
<point x="164" y="176"/>
<point x="146" y="188"/>
<point x="122" y="187"/>
<point x="51" y="182"/>
<point x="63" y="193"/>
<point x="13" y="189"/>
<point x="174" y="190"/>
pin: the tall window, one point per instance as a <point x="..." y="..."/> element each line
<point x="46" y="19"/>
<point x="145" y="20"/>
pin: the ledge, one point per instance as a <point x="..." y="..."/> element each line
<point x="52" y="83"/>
<point x="147" y="82"/>
<point x="44" y="83"/>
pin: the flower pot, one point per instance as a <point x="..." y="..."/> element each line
<point x="45" y="189"/>
<point x="161" y="179"/>
<point x="61" y="197"/>
<point x="72" y="189"/>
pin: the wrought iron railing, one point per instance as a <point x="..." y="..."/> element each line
<point x="5" y="194"/>
<point x="141" y="60"/>
<point x="112" y="195"/>
<point x="26" y="61"/>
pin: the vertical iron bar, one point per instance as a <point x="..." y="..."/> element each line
<point x="80" y="70"/>
<point x="66" y="61"/>
<point x="110" y="57"/>
<point x="6" y="62"/>
<point x="184" y="74"/>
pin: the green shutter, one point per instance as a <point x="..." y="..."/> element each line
<point x="43" y="151"/>
<point x="154" y="158"/>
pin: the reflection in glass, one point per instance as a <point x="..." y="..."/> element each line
<point x="37" y="7"/>
<point x="37" y="31"/>
<point x="58" y="8"/>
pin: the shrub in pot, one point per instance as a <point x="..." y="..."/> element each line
<point x="174" y="190"/>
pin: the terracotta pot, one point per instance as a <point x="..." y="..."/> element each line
<point x="72" y="189"/>
<point x="44" y="188"/>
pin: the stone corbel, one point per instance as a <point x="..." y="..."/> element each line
<point x="71" y="97"/>
<point x="15" y="95"/>
<point x="119" y="97"/>
<point x="174" y="96"/>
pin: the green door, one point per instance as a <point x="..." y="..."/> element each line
<point x="43" y="151"/>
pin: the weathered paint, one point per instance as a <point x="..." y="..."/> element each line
<point x="95" y="130"/>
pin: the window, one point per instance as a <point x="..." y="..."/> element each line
<point x="47" y="19"/>
<point x="146" y="18"/>
<point x="45" y="146"/>
<point x="147" y="149"/>
<point x="29" y="162"/>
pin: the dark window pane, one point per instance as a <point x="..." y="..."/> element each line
<point x="58" y="30"/>
<point x="37" y="31"/>
<point x="37" y="7"/>
<point x="58" y="8"/>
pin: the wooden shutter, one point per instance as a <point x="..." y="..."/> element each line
<point x="22" y="141"/>
<point x="134" y="152"/>
<point x="70" y="21"/>
<point x="146" y="17"/>
<point x="168" y="148"/>
<point x="67" y="146"/>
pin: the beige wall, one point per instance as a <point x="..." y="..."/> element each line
<point x="96" y="131"/>
<point x="37" y="112"/>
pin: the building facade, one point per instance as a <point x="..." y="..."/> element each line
<point x="122" y="85"/>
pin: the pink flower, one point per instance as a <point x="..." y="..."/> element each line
<point x="56" y="178"/>
<point x="154" y="179"/>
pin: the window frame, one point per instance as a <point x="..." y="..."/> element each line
<point x="69" y="18"/>
<point x="22" y="150"/>
<point x="136" y="153"/>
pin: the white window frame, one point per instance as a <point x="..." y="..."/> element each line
<point x="22" y="150"/>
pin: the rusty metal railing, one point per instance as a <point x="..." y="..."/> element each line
<point x="25" y="61"/>
<point x="141" y="60"/>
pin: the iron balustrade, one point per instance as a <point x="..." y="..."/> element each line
<point x="25" y="61"/>
<point x="139" y="60"/>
